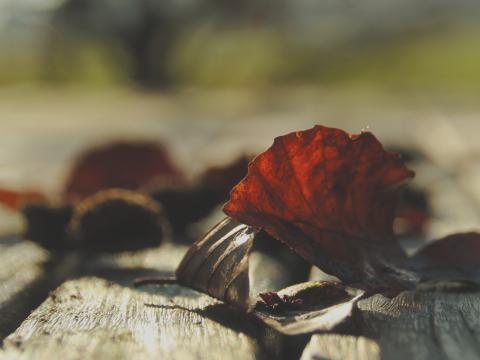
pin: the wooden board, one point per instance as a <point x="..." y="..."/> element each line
<point x="424" y="325"/>
<point x="414" y="325"/>
<point x="341" y="347"/>
<point x="101" y="316"/>
<point x="26" y="277"/>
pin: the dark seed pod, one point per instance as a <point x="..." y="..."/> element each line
<point x="46" y="224"/>
<point x="185" y="205"/>
<point x="223" y="178"/>
<point x="117" y="220"/>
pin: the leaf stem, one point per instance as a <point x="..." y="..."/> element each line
<point x="154" y="281"/>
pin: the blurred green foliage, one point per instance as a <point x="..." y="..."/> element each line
<point x="86" y="63"/>
<point x="82" y="63"/>
<point x="261" y="57"/>
<point x="234" y="57"/>
<point x="439" y="60"/>
<point x="445" y="60"/>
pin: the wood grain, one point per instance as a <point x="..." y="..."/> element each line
<point x="424" y="325"/>
<point x="26" y="276"/>
<point x="413" y="325"/>
<point x="101" y="316"/>
<point x="341" y="347"/>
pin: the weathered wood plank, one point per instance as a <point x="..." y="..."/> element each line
<point x="26" y="276"/>
<point x="96" y="319"/>
<point x="99" y="318"/>
<point x="413" y="325"/>
<point x="22" y="267"/>
<point x="424" y="325"/>
<point x="341" y="347"/>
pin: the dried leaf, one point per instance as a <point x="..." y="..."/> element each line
<point x="126" y="165"/>
<point x="318" y="307"/>
<point x="331" y="197"/>
<point x="15" y="199"/>
<point x="217" y="264"/>
<point x="453" y="258"/>
<point x="454" y="251"/>
<point x="131" y="165"/>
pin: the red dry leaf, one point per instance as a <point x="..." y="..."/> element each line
<point x="330" y="196"/>
<point x="126" y="165"/>
<point x="15" y="199"/>
<point x="274" y="302"/>
<point x="218" y="264"/>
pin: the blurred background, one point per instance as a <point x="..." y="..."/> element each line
<point x="152" y="44"/>
<point x="215" y="78"/>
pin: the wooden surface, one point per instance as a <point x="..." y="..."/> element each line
<point x="97" y="314"/>
<point x="21" y="269"/>
<point x="340" y="347"/>
<point x="26" y="275"/>
<point x="424" y="325"/>
<point x="414" y="325"/>
<point x="101" y="316"/>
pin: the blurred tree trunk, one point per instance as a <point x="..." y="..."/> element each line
<point x="152" y="28"/>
